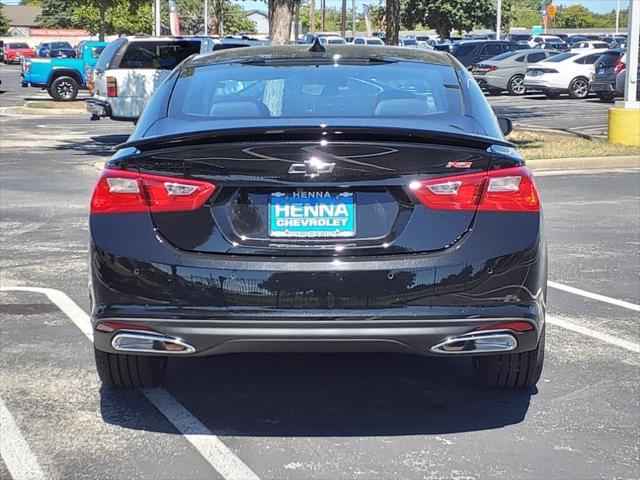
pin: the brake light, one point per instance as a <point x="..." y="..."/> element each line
<point x="516" y="326"/>
<point x="491" y="68"/>
<point x="112" y="87"/>
<point x="508" y="190"/>
<point x="619" y="66"/>
<point x="123" y="191"/>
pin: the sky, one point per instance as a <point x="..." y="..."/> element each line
<point x="598" y="6"/>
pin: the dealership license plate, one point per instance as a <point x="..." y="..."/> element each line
<point x="314" y="214"/>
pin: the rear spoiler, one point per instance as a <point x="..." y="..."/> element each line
<point x="306" y="133"/>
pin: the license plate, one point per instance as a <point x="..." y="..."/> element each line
<point x="601" y="71"/>
<point x="313" y="214"/>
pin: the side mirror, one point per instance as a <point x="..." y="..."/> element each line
<point x="505" y="125"/>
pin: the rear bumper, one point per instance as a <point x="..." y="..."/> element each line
<point x="245" y="303"/>
<point x="98" y="108"/>
<point x="491" y="81"/>
<point x="602" y="87"/>
<point x="545" y="85"/>
<point x="414" y="337"/>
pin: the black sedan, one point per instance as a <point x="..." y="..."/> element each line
<point x="313" y="199"/>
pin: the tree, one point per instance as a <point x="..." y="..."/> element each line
<point x="447" y="15"/>
<point x="392" y="18"/>
<point x="57" y="14"/>
<point x="280" y="16"/>
<point x="575" y="16"/>
<point x="236" y="21"/>
<point x="4" y="22"/>
<point x="119" y="17"/>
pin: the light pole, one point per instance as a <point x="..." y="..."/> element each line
<point x="617" y="16"/>
<point x="353" y="18"/>
<point x="206" y="17"/>
<point x="157" y="32"/>
<point x="498" y="19"/>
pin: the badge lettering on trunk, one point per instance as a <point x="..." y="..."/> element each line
<point x="312" y="168"/>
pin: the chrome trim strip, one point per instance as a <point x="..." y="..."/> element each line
<point x="485" y="342"/>
<point x="144" y="343"/>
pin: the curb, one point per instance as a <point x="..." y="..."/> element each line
<point x="45" y="112"/>
<point x="584" y="163"/>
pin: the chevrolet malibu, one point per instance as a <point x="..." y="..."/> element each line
<point x="318" y="199"/>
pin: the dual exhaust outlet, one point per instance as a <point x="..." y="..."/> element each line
<point x="469" y="344"/>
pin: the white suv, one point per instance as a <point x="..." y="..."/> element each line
<point x="130" y="69"/>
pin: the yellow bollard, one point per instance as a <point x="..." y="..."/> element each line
<point x="624" y="126"/>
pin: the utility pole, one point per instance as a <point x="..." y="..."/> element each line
<point x="323" y="15"/>
<point x="618" y="16"/>
<point x="343" y="19"/>
<point x="498" y="19"/>
<point x="353" y="18"/>
<point x="206" y="17"/>
<point x="158" y="28"/>
<point x="312" y="16"/>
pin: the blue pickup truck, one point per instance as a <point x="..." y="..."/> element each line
<point x="62" y="77"/>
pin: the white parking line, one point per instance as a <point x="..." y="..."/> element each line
<point x="589" y="332"/>
<point x="214" y="451"/>
<point x="17" y="456"/>
<point x="594" y="296"/>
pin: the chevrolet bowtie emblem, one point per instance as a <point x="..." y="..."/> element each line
<point x="312" y="168"/>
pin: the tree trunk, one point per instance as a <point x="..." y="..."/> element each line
<point x="280" y="21"/>
<point x="312" y="16"/>
<point x="393" y="22"/>
<point x="102" y="27"/>
<point x="343" y="19"/>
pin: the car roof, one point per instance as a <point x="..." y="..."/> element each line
<point x="161" y="39"/>
<point x="302" y="51"/>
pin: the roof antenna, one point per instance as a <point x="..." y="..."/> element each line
<point x="317" y="47"/>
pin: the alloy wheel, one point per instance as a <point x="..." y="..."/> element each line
<point x="580" y="88"/>
<point x="65" y="90"/>
<point x="517" y="85"/>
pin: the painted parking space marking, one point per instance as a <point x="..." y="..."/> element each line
<point x="589" y="332"/>
<point x="214" y="451"/>
<point x="594" y="296"/>
<point x="14" y="450"/>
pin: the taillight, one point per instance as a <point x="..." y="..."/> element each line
<point x="515" y="325"/>
<point x="619" y="66"/>
<point x="508" y="190"/>
<point x="112" y="87"/>
<point x="122" y="191"/>
<point x="491" y="68"/>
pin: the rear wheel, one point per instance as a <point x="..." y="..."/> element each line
<point x="64" y="89"/>
<point x="579" y="88"/>
<point x="516" y="85"/>
<point x="118" y="370"/>
<point x="511" y="370"/>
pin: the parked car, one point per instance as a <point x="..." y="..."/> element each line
<point x="521" y="38"/>
<point x="621" y="76"/>
<point x="14" y="52"/>
<point x="309" y="38"/>
<point x="589" y="45"/>
<point x="557" y="45"/>
<point x="568" y="72"/>
<point x="367" y="41"/>
<point x="470" y="52"/>
<point x="332" y="40"/>
<point x="131" y="68"/>
<point x="56" y="50"/>
<point x="410" y="42"/>
<point x="544" y="39"/>
<point x="607" y="69"/>
<point x="245" y="233"/>
<point x="62" y="77"/>
<point x="507" y="70"/>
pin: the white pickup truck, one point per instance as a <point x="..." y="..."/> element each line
<point x="130" y="69"/>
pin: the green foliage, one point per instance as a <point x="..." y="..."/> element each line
<point x="192" y="17"/>
<point x="4" y="22"/>
<point x="332" y="18"/>
<point x="447" y="15"/>
<point x="121" y="17"/>
<point x="236" y="21"/>
<point x="57" y="14"/>
<point x="31" y="3"/>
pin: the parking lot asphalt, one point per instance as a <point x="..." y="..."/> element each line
<point x="306" y="416"/>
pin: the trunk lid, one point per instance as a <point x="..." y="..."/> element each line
<point x="287" y="193"/>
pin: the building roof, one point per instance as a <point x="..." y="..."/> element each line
<point x="21" y="15"/>
<point x="259" y="12"/>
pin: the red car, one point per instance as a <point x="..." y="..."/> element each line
<point x="13" y="52"/>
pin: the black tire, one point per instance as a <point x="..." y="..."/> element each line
<point x="606" y="97"/>
<point x="64" y="89"/>
<point x="516" y="85"/>
<point x="511" y="370"/>
<point x="579" y="88"/>
<point x="552" y="95"/>
<point x="117" y="370"/>
<point x="494" y="91"/>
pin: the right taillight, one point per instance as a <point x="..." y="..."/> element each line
<point x="112" y="87"/>
<point x="619" y="66"/>
<point x="507" y="190"/>
<point x="124" y="191"/>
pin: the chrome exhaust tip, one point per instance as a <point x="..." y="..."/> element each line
<point x="485" y="342"/>
<point x="150" y="343"/>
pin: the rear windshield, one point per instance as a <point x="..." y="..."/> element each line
<point x="610" y="58"/>
<point x="17" y="45"/>
<point x="410" y="41"/>
<point x="60" y="45"/>
<point x="161" y="55"/>
<point x="561" y="57"/>
<point x="403" y="89"/>
<point x="105" y="58"/>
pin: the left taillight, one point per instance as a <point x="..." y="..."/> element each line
<point x="112" y="87"/>
<point x="123" y="191"/>
<point x="507" y="190"/>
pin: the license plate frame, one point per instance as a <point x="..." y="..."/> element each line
<point x="312" y="214"/>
